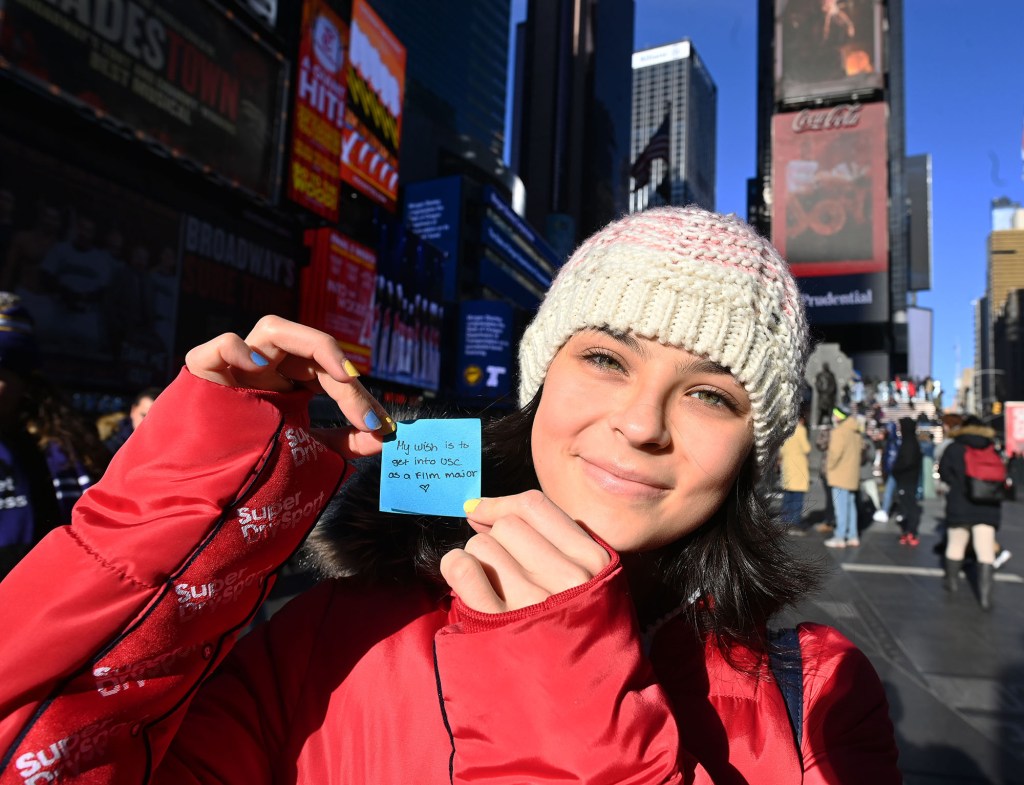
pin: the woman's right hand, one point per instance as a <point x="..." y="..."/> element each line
<point x="280" y="355"/>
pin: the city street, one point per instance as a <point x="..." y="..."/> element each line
<point x="954" y="675"/>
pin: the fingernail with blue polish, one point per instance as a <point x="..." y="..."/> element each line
<point x="259" y="359"/>
<point x="372" y="420"/>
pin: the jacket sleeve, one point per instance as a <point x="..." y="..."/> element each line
<point x="848" y="736"/>
<point x="121" y="615"/>
<point x="559" y="692"/>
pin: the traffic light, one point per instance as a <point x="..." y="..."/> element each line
<point x="997" y="407"/>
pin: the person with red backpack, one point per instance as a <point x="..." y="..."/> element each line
<point x="970" y="468"/>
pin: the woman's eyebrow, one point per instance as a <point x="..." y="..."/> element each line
<point x="703" y="365"/>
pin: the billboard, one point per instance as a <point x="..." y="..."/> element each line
<point x="373" y="116"/>
<point x="918" y="172"/>
<point x="408" y="314"/>
<point x="830" y="208"/>
<point x="319" y="114"/>
<point x="433" y="211"/>
<point x="919" y="342"/>
<point x="181" y="74"/>
<point x="97" y="266"/>
<point x="338" y="292"/>
<point x="1013" y="412"/>
<point x="485" y="354"/>
<point x="827" y="49"/>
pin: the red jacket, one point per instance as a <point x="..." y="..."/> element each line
<point x="116" y="667"/>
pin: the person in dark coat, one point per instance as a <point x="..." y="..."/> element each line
<point x="906" y="470"/>
<point x="965" y="519"/>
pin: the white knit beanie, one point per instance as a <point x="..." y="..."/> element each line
<point x="685" y="277"/>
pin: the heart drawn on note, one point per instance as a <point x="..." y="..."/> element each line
<point x="425" y="487"/>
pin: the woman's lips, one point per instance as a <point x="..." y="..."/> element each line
<point x="622" y="481"/>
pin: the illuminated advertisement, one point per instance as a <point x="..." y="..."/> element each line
<point x="97" y="266"/>
<point x="182" y="74"/>
<point x="433" y="211"/>
<point x="407" y="310"/>
<point x="338" y="292"/>
<point x="830" y="213"/>
<point x="314" y="179"/>
<point x="373" y="116"/>
<point x="827" y="48"/>
<point x="485" y="354"/>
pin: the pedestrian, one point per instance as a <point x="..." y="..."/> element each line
<point x="48" y="454"/>
<point x="795" y="470"/>
<point x="868" y="483"/>
<point x="892" y="448"/>
<point x="966" y="520"/>
<point x="843" y="466"/>
<point x="123" y="427"/>
<point x="600" y="616"/>
<point x="906" y="471"/>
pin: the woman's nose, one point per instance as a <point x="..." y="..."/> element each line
<point x="642" y="420"/>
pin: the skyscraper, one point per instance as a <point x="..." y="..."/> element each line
<point x="572" y="113"/>
<point x="671" y="83"/>
<point x="455" y="83"/>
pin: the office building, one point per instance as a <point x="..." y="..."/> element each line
<point x="675" y="104"/>
<point x="572" y="115"/>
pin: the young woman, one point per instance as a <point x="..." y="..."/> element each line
<point x="601" y="619"/>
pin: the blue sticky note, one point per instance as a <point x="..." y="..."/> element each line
<point x="431" y="467"/>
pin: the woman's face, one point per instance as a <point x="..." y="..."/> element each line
<point x="638" y="441"/>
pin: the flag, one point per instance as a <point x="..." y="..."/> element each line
<point x="664" y="189"/>
<point x="657" y="147"/>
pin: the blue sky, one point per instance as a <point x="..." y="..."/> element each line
<point x="965" y="106"/>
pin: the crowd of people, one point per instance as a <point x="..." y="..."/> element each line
<point x="909" y="459"/>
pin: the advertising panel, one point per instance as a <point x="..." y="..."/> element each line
<point x="373" y="116"/>
<point x="830" y="189"/>
<point x="918" y="173"/>
<point x="181" y="74"/>
<point x="433" y="211"/>
<point x="313" y="173"/>
<point x="919" y="342"/>
<point x="232" y="273"/>
<point x="97" y="267"/>
<point x="1013" y="412"/>
<point x="827" y="49"/>
<point x="407" y="309"/>
<point x="485" y="354"/>
<point x="338" y="293"/>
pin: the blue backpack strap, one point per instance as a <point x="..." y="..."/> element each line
<point x="787" y="667"/>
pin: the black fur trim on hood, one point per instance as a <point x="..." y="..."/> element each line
<point x="354" y="538"/>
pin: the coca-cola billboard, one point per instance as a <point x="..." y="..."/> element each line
<point x="827" y="48"/>
<point x="830" y="206"/>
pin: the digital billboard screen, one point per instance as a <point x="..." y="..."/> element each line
<point x="373" y="116"/>
<point x="314" y="179"/>
<point x="182" y="74"/>
<point x="827" y="48"/>
<point x="830" y="207"/>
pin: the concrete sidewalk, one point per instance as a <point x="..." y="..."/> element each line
<point x="954" y="675"/>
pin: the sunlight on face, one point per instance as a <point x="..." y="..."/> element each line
<point x="638" y="441"/>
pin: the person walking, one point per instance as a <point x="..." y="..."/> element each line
<point x="843" y="476"/>
<point x="868" y="483"/>
<point x="906" y="471"/>
<point x="794" y="465"/>
<point x="967" y="520"/>
<point x="599" y="615"/>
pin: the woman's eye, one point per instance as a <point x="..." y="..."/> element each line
<point x="711" y="397"/>
<point x="603" y="361"/>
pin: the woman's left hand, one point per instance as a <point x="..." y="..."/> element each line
<point x="525" y="550"/>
